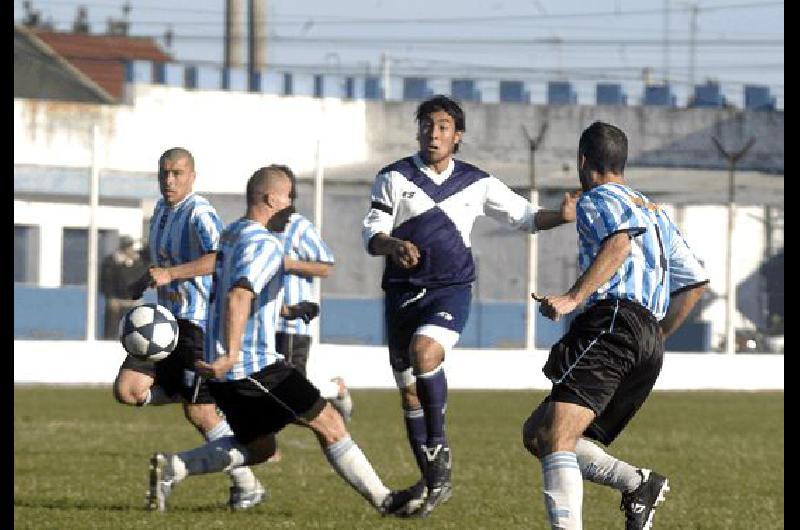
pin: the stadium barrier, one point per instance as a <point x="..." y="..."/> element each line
<point x="79" y="362"/>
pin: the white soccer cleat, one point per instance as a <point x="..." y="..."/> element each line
<point x="242" y="499"/>
<point x="161" y="482"/>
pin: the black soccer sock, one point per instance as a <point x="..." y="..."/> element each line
<point x="432" y="393"/>
<point x="417" y="436"/>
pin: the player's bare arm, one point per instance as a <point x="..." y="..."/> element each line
<point x="547" y="219"/>
<point x="237" y="312"/>
<point x="309" y="269"/>
<point x="680" y="305"/>
<point x="403" y="253"/>
<point x="611" y="256"/>
<point x="200" y="267"/>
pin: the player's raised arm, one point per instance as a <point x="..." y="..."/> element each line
<point x="504" y="205"/>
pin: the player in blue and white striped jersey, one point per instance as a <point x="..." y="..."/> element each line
<point x="184" y="227"/>
<point x="306" y="256"/>
<point x="639" y="280"/>
<point x="422" y="211"/>
<point x="259" y="392"/>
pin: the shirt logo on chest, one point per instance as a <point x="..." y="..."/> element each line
<point x="408" y="194"/>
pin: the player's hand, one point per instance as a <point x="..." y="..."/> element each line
<point x="217" y="370"/>
<point x="159" y="276"/>
<point x="568" y="205"/>
<point x="305" y="310"/>
<point x="405" y="254"/>
<point x="556" y="306"/>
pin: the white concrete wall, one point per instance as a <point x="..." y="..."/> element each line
<point x="77" y="362"/>
<point x="52" y="218"/>
<point x="229" y="133"/>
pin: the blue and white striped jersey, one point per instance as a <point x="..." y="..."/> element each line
<point x="436" y="212"/>
<point x="301" y="241"/>
<point x="252" y="257"/>
<point x="660" y="261"/>
<point x="179" y="234"/>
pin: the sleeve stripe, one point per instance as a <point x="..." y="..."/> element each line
<point x="380" y="206"/>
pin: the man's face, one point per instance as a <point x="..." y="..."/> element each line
<point x="437" y="137"/>
<point x="280" y="201"/>
<point x="175" y="179"/>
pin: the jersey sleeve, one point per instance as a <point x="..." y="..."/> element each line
<point x="685" y="270"/>
<point x="255" y="263"/>
<point x="207" y="226"/>
<point x="380" y="218"/>
<point x="504" y="205"/>
<point x="601" y="213"/>
<point x="311" y="247"/>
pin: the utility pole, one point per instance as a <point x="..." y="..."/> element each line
<point x="730" y="306"/>
<point x="692" y="44"/>
<point x="666" y="42"/>
<point x="385" y="67"/>
<point x="530" y="323"/>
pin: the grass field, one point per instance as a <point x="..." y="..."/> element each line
<point x="80" y="461"/>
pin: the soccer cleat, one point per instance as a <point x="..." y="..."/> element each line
<point x="161" y="482"/>
<point x="242" y="499"/>
<point x="343" y="403"/>
<point x="640" y="504"/>
<point x="440" y="488"/>
<point x="404" y="503"/>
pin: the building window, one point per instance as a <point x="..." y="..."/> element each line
<point x="75" y="253"/>
<point x="349" y="88"/>
<point x="372" y="88"/>
<point x="26" y="254"/>
<point x="288" y="85"/>
<point x="319" y="86"/>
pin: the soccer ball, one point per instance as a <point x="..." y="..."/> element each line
<point x="148" y="332"/>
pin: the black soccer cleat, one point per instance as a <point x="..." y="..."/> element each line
<point x="440" y="488"/>
<point x="404" y="503"/>
<point x="640" y="504"/>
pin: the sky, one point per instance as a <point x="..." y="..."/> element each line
<point x="737" y="42"/>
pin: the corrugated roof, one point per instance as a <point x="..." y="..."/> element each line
<point x="103" y="57"/>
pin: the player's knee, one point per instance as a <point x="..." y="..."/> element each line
<point x="329" y="426"/>
<point x="533" y="437"/>
<point x="128" y="394"/>
<point x="202" y="416"/>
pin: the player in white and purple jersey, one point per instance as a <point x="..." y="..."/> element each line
<point x="259" y="392"/>
<point x="184" y="227"/>
<point x="422" y="211"/>
<point x="639" y="281"/>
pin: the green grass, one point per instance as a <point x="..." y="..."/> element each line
<point x="80" y="461"/>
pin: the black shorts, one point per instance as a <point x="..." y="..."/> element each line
<point x="176" y="373"/>
<point x="608" y="361"/>
<point x="267" y="401"/>
<point x="294" y="348"/>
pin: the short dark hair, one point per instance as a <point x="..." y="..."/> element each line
<point x="605" y="147"/>
<point x="261" y="181"/>
<point x="286" y="169"/>
<point x="176" y="153"/>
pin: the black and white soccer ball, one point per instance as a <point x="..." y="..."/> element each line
<point x="148" y="332"/>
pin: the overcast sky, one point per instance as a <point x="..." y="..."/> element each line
<point x="737" y="41"/>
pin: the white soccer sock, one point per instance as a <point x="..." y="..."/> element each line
<point x="352" y="465"/>
<point x="220" y="455"/>
<point x="601" y="468"/>
<point x="241" y="476"/>
<point x="563" y="490"/>
<point x="157" y="396"/>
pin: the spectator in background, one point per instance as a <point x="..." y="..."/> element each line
<point x="119" y="270"/>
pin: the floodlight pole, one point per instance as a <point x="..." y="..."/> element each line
<point x="530" y="315"/>
<point x="730" y="305"/>
<point x="319" y="174"/>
